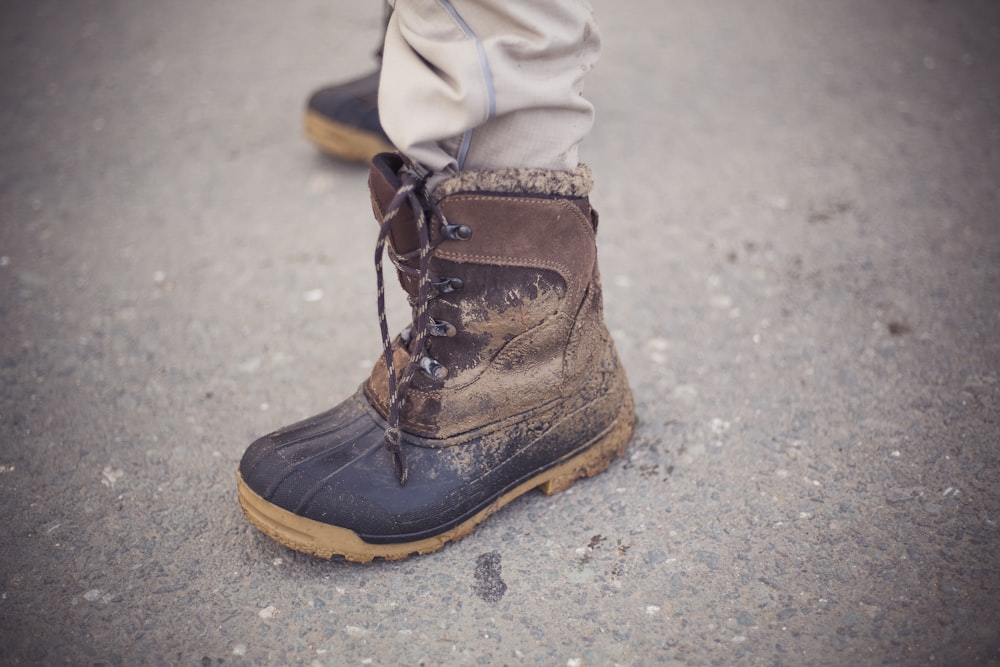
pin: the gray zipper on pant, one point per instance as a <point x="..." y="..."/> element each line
<point x="484" y="68"/>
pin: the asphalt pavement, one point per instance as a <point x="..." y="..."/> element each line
<point x="800" y="246"/>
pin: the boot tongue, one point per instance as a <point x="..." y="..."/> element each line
<point x="383" y="182"/>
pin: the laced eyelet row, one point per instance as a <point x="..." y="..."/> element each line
<point x="411" y="194"/>
<point x="444" y="285"/>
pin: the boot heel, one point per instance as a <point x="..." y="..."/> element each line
<point x="596" y="458"/>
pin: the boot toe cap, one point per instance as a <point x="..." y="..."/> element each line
<point x="302" y="468"/>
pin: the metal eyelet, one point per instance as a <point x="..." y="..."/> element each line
<point x="456" y="232"/>
<point x="444" y="285"/>
<point x="432" y="368"/>
<point x="446" y="329"/>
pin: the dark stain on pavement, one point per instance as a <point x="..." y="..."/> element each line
<point x="899" y="328"/>
<point x="489" y="586"/>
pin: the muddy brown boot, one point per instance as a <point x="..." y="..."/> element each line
<point x="506" y="379"/>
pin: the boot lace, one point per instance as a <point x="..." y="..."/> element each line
<point x="412" y="194"/>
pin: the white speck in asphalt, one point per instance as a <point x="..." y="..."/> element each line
<point x="251" y="365"/>
<point x="719" y="425"/>
<point x="658" y="344"/>
<point x="109" y="476"/>
<point x="721" y="301"/>
<point x="320" y="183"/>
<point x="779" y="202"/>
<point x="313" y="295"/>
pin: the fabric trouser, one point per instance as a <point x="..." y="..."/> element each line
<point x="485" y="84"/>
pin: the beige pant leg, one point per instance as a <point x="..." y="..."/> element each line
<point x="479" y="84"/>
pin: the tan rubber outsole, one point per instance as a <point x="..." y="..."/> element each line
<point x="343" y="141"/>
<point x="323" y="540"/>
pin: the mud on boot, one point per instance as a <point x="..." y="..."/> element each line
<point x="505" y="380"/>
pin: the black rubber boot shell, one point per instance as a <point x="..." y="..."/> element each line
<point x="327" y="485"/>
